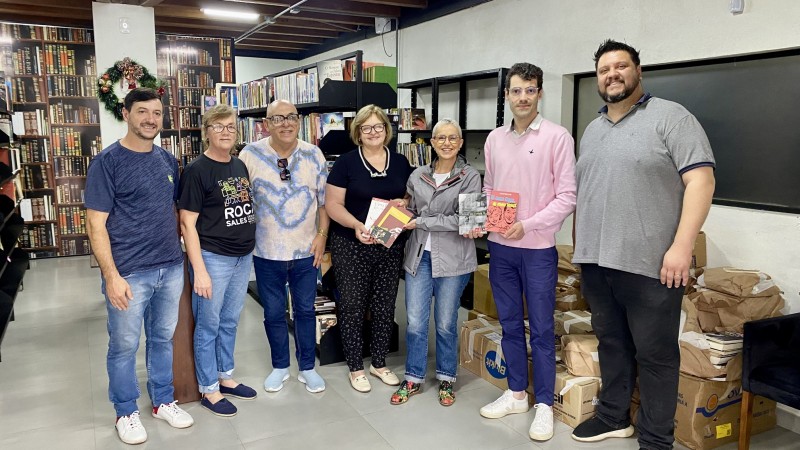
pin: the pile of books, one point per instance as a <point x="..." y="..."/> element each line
<point x="723" y="346"/>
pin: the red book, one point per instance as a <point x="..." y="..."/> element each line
<point x="501" y="210"/>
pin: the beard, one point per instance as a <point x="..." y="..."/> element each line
<point x="627" y="92"/>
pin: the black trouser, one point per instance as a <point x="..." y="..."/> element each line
<point x="636" y="319"/>
<point x="367" y="277"/>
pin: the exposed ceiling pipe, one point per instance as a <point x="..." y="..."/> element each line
<point x="268" y="21"/>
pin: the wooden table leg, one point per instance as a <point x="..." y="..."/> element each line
<point x="184" y="379"/>
<point x="745" y="422"/>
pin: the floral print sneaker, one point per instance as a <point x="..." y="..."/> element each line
<point x="446" y="395"/>
<point x="407" y="389"/>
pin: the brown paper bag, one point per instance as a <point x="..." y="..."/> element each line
<point x="580" y="354"/>
<point x="739" y="282"/>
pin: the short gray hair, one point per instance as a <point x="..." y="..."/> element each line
<point x="444" y="122"/>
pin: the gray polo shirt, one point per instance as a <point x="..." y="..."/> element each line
<point x="630" y="191"/>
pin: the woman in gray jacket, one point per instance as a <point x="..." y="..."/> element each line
<point x="438" y="261"/>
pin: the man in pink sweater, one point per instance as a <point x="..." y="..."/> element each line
<point x="536" y="159"/>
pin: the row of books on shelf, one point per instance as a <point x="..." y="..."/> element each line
<point x="71" y="166"/>
<point x="227" y="70"/>
<point x="75" y="246"/>
<point x="72" y="220"/>
<point x="418" y="153"/>
<point x="71" y="86"/>
<point x="67" y="142"/>
<point x="60" y="59"/>
<point x="251" y="129"/>
<point x="25" y="90"/>
<point x="70" y="193"/>
<point x="345" y="70"/>
<point x="254" y="94"/>
<point x="68" y="34"/>
<point x="68" y="113"/>
<point x="34" y="151"/>
<point x="35" y="177"/>
<point x="38" y="236"/>
<point x="381" y="74"/>
<point x="194" y="97"/>
<point x="296" y="87"/>
<point x="229" y="95"/>
<point x="35" y="122"/>
<point x="16" y="31"/>
<point x="37" y="209"/>
<point x="195" y="78"/>
<point x="27" y="60"/>
<point x="184" y="145"/>
<point x="189" y="118"/>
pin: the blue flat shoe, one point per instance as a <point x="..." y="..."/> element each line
<point x="222" y="408"/>
<point x="240" y="391"/>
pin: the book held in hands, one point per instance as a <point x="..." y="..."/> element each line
<point x="501" y="210"/>
<point x="389" y="224"/>
<point x="471" y="212"/>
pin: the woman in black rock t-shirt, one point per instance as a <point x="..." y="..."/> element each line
<point x="367" y="273"/>
<point x="218" y="225"/>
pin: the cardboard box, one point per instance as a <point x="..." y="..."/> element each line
<point x="573" y="322"/>
<point x="580" y="354"/>
<point x="708" y="412"/>
<point x="575" y="398"/>
<point x="482" y="354"/>
<point x="699" y="252"/>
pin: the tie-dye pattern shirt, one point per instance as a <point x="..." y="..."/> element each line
<point x="286" y="210"/>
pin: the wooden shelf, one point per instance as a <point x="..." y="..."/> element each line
<point x="72" y="97"/>
<point x="74" y="124"/>
<point x="69" y="235"/>
<point x="40" y="222"/>
<point x="70" y="42"/>
<point x="70" y="177"/>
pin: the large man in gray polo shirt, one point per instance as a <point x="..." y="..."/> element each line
<point x="645" y="176"/>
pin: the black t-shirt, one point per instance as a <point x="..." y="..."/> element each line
<point x="349" y="172"/>
<point x="221" y="194"/>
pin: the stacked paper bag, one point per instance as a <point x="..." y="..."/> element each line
<point x="711" y="364"/>
<point x="568" y="286"/>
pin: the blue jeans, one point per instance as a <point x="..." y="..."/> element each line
<point x="532" y="271"/>
<point x="156" y="294"/>
<point x="271" y="278"/>
<point x="419" y="290"/>
<point x="216" y="319"/>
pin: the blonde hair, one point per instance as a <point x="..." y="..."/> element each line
<point x="213" y="114"/>
<point x="362" y="116"/>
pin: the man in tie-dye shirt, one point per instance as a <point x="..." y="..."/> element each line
<point x="288" y="178"/>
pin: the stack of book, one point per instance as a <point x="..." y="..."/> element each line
<point x="723" y="347"/>
<point x="324" y="305"/>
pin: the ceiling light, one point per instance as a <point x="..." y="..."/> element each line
<point x="294" y="11"/>
<point x="231" y="15"/>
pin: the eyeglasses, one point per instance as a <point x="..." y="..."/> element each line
<point x="283" y="164"/>
<point x="517" y="91"/>
<point x="368" y="129"/>
<point x="219" y="127"/>
<point x="441" y="139"/>
<point x="278" y="119"/>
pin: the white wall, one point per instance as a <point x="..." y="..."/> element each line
<point x="249" y="69"/>
<point x="112" y="46"/>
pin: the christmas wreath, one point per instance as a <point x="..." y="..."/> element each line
<point x="129" y="74"/>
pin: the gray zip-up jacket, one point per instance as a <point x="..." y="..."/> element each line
<point x="437" y="215"/>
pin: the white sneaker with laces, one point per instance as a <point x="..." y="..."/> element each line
<point x="130" y="429"/>
<point x="542" y="426"/>
<point x="505" y="405"/>
<point x="174" y="415"/>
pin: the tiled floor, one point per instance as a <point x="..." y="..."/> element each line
<point x="53" y="393"/>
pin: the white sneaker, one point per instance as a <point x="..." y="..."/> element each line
<point x="130" y="429"/>
<point x="542" y="426"/>
<point x="174" y="415"/>
<point x="505" y="405"/>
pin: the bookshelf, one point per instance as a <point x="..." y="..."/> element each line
<point x="53" y="76"/>
<point x="192" y="67"/>
<point x="13" y="261"/>
<point x="473" y="137"/>
<point x="311" y="100"/>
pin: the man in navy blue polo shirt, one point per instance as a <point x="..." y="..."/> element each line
<point x="131" y="189"/>
<point x="645" y="176"/>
